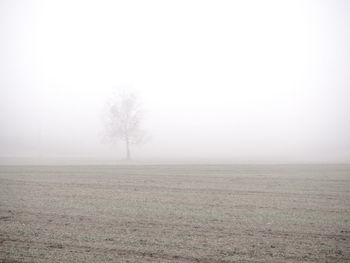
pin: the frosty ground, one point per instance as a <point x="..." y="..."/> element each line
<point x="175" y="213"/>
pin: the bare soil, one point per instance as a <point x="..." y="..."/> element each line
<point x="175" y="213"/>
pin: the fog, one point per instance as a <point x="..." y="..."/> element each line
<point x="219" y="81"/>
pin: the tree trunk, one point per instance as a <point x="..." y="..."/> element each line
<point x="127" y="149"/>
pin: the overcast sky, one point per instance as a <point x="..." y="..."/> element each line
<point x="240" y="81"/>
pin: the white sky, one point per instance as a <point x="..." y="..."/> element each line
<point x="243" y="81"/>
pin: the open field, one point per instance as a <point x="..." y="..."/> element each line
<point x="175" y="213"/>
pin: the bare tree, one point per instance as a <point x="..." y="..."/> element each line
<point x="124" y="120"/>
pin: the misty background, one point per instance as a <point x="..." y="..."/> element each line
<point x="235" y="81"/>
